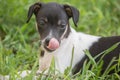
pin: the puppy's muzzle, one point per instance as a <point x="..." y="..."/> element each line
<point x="51" y="44"/>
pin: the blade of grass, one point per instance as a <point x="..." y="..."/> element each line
<point x="106" y="52"/>
<point x="91" y="58"/>
<point x="108" y="67"/>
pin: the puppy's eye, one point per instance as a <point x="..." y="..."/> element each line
<point x="42" y="23"/>
<point x="62" y="26"/>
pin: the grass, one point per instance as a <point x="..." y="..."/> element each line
<point x="19" y="42"/>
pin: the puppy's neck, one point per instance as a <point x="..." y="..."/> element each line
<point x="66" y="42"/>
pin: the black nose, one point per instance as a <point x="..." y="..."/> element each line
<point x="47" y="41"/>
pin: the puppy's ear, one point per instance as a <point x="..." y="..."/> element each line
<point x="33" y="9"/>
<point x="72" y="12"/>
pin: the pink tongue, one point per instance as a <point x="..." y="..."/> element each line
<point x="53" y="44"/>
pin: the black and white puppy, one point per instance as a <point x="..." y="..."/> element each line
<point x="58" y="38"/>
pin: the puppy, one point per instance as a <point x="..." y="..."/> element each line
<point x="58" y="38"/>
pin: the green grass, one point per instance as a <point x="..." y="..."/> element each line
<point x="19" y="42"/>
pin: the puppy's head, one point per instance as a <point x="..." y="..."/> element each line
<point x="53" y="22"/>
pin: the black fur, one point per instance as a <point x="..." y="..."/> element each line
<point x="103" y="44"/>
<point x="54" y="18"/>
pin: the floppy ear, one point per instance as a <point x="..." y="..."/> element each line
<point x="33" y="9"/>
<point x="72" y="12"/>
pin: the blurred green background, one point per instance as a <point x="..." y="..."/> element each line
<point x="19" y="42"/>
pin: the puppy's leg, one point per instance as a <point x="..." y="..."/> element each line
<point x="44" y="62"/>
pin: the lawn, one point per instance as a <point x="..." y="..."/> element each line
<point x="19" y="42"/>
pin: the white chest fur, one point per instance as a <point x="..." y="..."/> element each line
<point x="63" y="54"/>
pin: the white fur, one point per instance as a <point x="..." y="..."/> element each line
<point x="63" y="54"/>
<point x="64" y="32"/>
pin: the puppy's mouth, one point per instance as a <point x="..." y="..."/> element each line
<point x="51" y="44"/>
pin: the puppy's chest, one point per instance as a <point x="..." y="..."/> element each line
<point x="73" y="50"/>
<point x="63" y="58"/>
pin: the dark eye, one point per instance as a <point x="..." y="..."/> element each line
<point x="42" y="23"/>
<point x="62" y="26"/>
